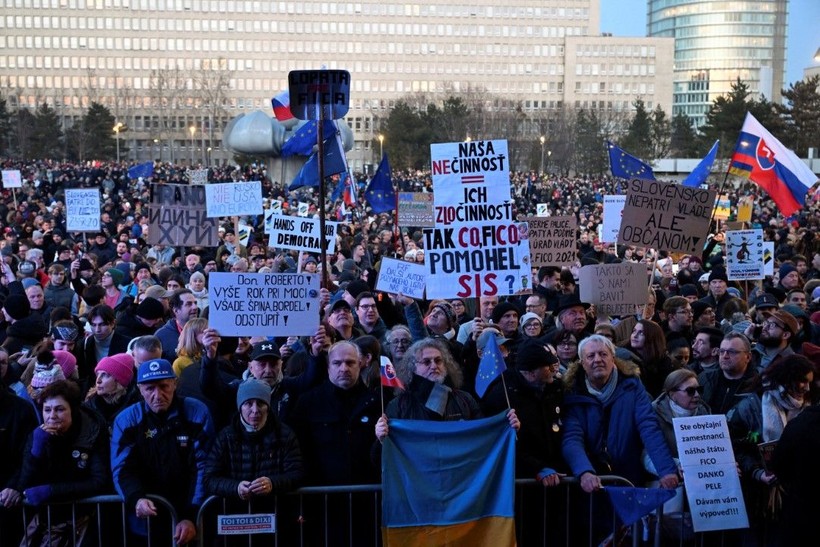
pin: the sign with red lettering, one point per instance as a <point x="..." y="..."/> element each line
<point x="469" y="173"/>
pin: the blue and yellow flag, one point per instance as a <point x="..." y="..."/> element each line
<point x="449" y="483"/>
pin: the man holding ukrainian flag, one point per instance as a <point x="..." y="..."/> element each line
<point x="448" y="475"/>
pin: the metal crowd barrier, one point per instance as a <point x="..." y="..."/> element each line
<point x="351" y="516"/>
<point x="98" y="521"/>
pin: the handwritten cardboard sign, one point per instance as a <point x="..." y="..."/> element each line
<point x="82" y="207"/>
<point x="234" y="199"/>
<point x="615" y="289"/>
<point x="664" y="216"/>
<point x="400" y="276"/>
<point x="552" y="240"/>
<point x="476" y="166"/>
<point x="198" y="176"/>
<point x="251" y="304"/>
<point x="710" y="473"/>
<point x="177" y="216"/>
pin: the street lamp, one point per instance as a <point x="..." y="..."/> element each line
<point x="192" y="129"/>
<point x="159" y="150"/>
<point x="117" y="129"/>
<point x="381" y="147"/>
<point x="209" y="156"/>
<point x="549" y="155"/>
<point x="543" y="140"/>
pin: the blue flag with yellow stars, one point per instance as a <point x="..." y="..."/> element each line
<point x="380" y="193"/>
<point x="490" y="367"/>
<point x="304" y="139"/>
<point x="633" y="503"/>
<point x="627" y="166"/>
<point x="700" y="173"/>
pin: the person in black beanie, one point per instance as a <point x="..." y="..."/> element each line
<point x="24" y="329"/>
<point x="718" y="295"/>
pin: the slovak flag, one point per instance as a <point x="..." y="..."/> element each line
<point x="281" y="106"/>
<point x="761" y="158"/>
<point x="388" y="374"/>
<point x="349" y="195"/>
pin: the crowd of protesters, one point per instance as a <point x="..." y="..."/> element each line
<point x="113" y="381"/>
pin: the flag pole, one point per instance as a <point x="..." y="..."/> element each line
<point x="322" y="195"/>
<point x="506" y="395"/>
<point x="381" y="392"/>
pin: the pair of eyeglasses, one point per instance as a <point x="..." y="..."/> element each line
<point x="430" y="362"/>
<point x="691" y="390"/>
<point x="400" y="342"/>
<point x="730" y="352"/>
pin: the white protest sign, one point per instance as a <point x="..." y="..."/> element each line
<point x="244" y="234"/>
<point x="664" y="216"/>
<point x="301" y="234"/>
<point x="12" y="178"/>
<point x="710" y="473"/>
<point x="198" y="177"/>
<point x="478" y="168"/>
<point x="276" y="207"/>
<point x="768" y="258"/>
<point x="400" y="276"/>
<point x="542" y="209"/>
<point x="552" y="240"/>
<point x="256" y="523"/>
<point x="82" y="207"/>
<point x="615" y="289"/>
<point x="613" y="211"/>
<point x="251" y="304"/>
<point x="482" y="259"/>
<point x="744" y="254"/>
<point x="233" y="199"/>
<point x="303" y="209"/>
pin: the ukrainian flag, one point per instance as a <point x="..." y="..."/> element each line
<point x="449" y="483"/>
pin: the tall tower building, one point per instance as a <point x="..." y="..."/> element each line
<point x="718" y="42"/>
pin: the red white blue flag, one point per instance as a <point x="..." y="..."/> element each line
<point x="761" y="158"/>
<point x="281" y="106"/>
<point x="388" y="374"/>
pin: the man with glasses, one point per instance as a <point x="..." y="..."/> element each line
<point x="705" y="349"/>
<point x="724" y="387"/>
<point x="368" y="318"/>
<point x="775" y="338"/>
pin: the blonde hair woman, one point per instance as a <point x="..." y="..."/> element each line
<point x="190" y="348"/>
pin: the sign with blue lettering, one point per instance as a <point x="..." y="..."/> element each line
<point x="82" y="206"/>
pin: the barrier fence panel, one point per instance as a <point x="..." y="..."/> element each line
<point x="99" y="521"/>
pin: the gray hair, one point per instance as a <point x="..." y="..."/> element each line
<point x="407" y="367"/>
<point x="595" y="338"/>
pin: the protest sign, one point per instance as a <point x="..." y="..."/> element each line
<point x="613" y="212"/>
<point x="415" y="209"/>
<point x="482" y="259"/>
<point x="768" y="258"/>
<point x="400" y="276"/>
<point x="744" y="255"/>
<point x="304" y="208"/>
<point x="82" y="206"/>
<point x="710" y="473"/>
<point x="243" y="233"/>
<point x="665" y="216"/>
<point x="301" y="234"/>
<point x="552" y="240"/>
<point x="476" y="248"/>
<point x="542" y="209"/>
<point x="276" y="207"/>
<point x="723" y="207"/>
<point x="615" y="289"/>
<point x="253" y="304"/>
<point x="12" y="178"/>
<point x="744" y="209"/>
<point x="177" y="217"/>
<point x="466" y="172"/>
<point x="234" y="199"/>
<point x="198" y="176"/>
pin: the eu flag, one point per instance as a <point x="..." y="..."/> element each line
<point x="446" y="480"/>
<point x="380" y="193"/>
<point x="632" y="503"/>
<point x="143" y="170"/>
<point x="335" y="163"/>
<point x="700" y="173"/>
<point x="627" y="166"/>
<point x="490" y="367"/>
<point x="304" y="139"/>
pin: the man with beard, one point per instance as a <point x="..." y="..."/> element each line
<point x="705" y="349"/>
<point x="774" y="341"/>
<point x="368" y="315"/>
<point x="679" y="317"/>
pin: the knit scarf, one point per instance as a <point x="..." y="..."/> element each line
<point x="678" y="411"/>
<point x="605" y="394"/>
<point x="778" y="409"/>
